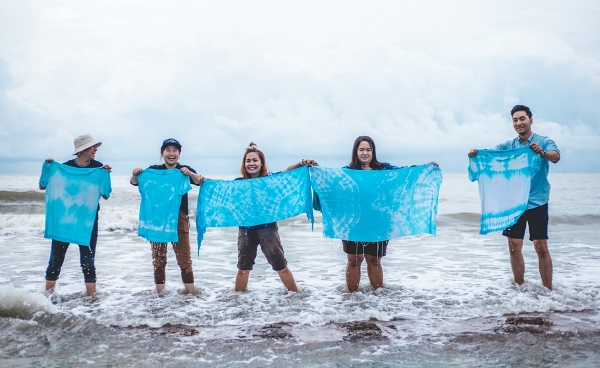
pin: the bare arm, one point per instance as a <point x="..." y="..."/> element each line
<point x="472" y="153"/>
<point x="197" y="178"/>
<point x="134" y="176"/>
<point x="552" y="156"/>
<point x="303" y="162"/>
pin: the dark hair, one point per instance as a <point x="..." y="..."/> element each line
<point x="355" y="163"/>
<point x="521" y="108"/>
<point x="264" y="170"/>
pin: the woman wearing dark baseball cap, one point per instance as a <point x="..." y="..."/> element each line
<point x="170" y="151"/>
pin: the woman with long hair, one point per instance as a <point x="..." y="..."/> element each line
<point x="364" y="157"/>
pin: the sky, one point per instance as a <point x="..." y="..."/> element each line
<point x="427" y="80"/>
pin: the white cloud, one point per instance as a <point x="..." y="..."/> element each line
<point x="427" y="80"/>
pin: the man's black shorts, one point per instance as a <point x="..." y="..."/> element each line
<point x="377" y="249"/>
<point x="537" y="218"/>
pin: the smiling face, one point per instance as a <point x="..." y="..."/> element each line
<point x="171" y="156"/>
<point x="522" y="123"/>
<point x="365" y="153"/>
<point x="253" y="164"/>
<point x="88" y="153"/>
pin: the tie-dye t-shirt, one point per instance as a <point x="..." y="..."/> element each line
<point x="539" y="194"/>
<point x="161" y="192"/>
<point x="72" y="196"/>
<point x="504" y="184"/>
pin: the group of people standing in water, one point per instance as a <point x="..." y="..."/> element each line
<point x="254" y="165"/>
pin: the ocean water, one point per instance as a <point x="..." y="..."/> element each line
<point x="448" y="300"/>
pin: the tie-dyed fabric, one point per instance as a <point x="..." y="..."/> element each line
<point x="504" y="182"/>
<point x="161" y="192"/>
<point x="251" y="202"/>
<point x="369" y="205"/>
<point x="72" y="196"/>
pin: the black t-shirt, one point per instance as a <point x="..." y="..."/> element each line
<point x="92" y="165"/>
<point x="184" y="198"/>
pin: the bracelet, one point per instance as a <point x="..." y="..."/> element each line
<point x="544" y="152"/>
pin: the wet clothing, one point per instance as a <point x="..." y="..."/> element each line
<point x="377" y="249"/>
<point x="270" y="244"/>
<point x="182" y="253"/>
<point x="86" y="257"/>
<point x="536" y="218"/>
<point x="87" y="254"/>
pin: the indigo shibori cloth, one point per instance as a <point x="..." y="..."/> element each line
<point x="251" y="202"/>
<point x="369" y="205"/>
<point x="504" y="178"/>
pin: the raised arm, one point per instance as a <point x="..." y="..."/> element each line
<point x="47" y="160"/>
<point x="552" y="156"/>
<point x="134" y="176"/>
<point x="303" y="162"/>
<point x="197" y="178"/>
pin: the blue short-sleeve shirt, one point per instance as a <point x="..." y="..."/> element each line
<point x="539" y="194"/>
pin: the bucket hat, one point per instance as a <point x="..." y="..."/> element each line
<point x="84" y="142"/>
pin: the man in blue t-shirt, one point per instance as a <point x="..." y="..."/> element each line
<point x="536" y="215"/>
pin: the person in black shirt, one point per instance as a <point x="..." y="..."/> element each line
<point x="85" y="151"/>
<point x="170" y="152"/>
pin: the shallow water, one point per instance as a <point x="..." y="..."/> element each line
<point x="449" y="300"/>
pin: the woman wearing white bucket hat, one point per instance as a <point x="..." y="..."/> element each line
<point x="85" y="147"/>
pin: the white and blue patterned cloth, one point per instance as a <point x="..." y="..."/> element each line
<point x="504" y="178"/>
<point x="539" y="194"/>
<point x="251" y="202"/>
<point x="161" y="192"/>
<point x="72" y="196"/>
<point x="369" y="205"/>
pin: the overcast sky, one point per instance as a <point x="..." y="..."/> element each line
<point x="428" y="80"/>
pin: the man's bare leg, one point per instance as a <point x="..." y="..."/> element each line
<point x="517" y="263"/>
<point x="545" y="261"/>
<point x="353" y="271"/>
<point x="374" y="271"/>
<point x="287" y="278"/>
<point x="159" y="287"/>
<point x="241" y="280"/>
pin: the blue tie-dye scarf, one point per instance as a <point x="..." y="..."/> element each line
<point x="373" y="205"/>
<point x="252" y="202"/>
